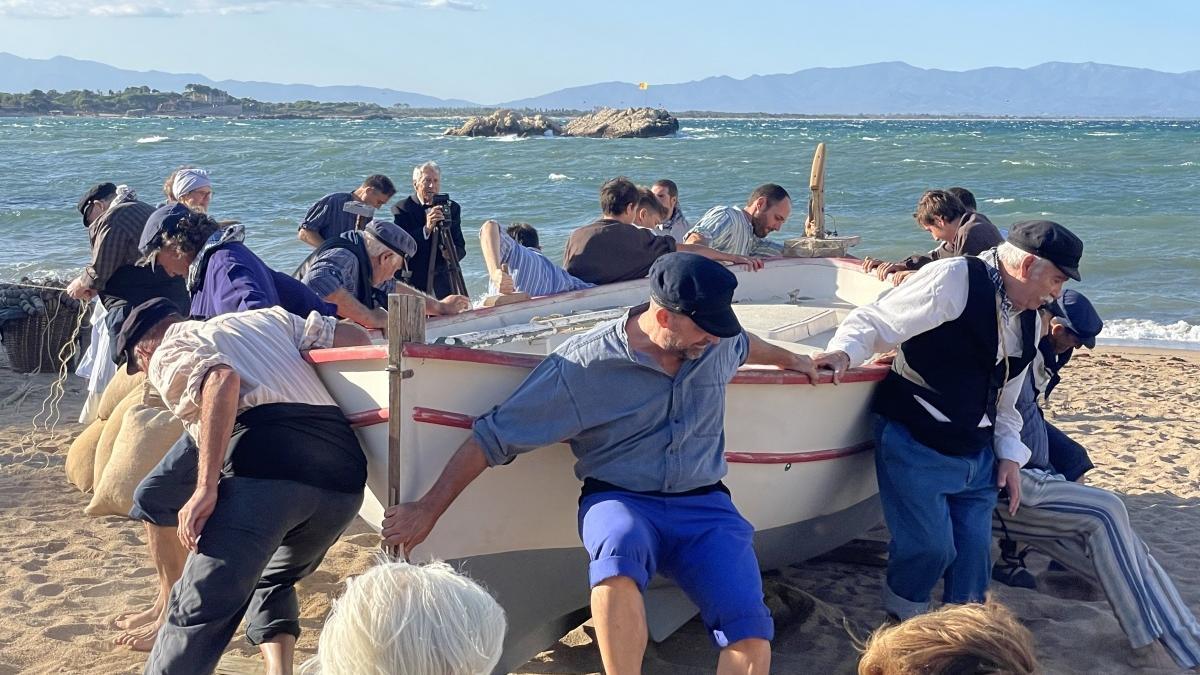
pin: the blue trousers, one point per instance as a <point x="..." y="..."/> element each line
<point x="938" y="508"/>
<point x="700" y="541"/>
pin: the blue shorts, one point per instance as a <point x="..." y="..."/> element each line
<point x="699" y="541"/>
<point x="168" y="486"/>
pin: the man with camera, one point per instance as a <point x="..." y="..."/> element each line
<point x="341" y="212"/>
<point x="434" y="220"/>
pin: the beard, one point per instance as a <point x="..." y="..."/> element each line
<point x="686" y="352"/>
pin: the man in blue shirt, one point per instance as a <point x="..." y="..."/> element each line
<point x="328" y="217"/>
<point x="660" y="444"/>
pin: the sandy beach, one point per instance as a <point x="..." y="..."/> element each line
<point x="66" y="575"/>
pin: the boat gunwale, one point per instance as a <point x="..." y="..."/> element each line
<point x="871" y="372"/>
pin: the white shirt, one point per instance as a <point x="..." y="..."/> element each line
<point x="927" y="299"/>
<point x="262" y="346"/>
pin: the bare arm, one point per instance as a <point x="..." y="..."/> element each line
<point x="218" y="408"/>
<point x="763" y="353"/>
<point x="720" y="256"/>
<point x="407" y="525"/>
<point x="348" y="307"/>
<point x="310" y="237"/>
<point x="695" y="238"/>
<point x="349" y="334"/>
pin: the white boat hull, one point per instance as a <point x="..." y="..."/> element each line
<point x="800" y="457"/>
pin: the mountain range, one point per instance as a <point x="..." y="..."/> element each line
<point x="1051" y="89"/>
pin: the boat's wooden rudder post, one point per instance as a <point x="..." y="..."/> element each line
<point x="406" y="323"/>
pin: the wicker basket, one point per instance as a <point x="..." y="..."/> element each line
<point x="33" y="343"/>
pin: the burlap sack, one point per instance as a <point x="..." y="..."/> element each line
<point x="146" y="435"/>
<point x="116" y="391"/>
<point x="112" y="427"/>
<point x="81" y="457"/>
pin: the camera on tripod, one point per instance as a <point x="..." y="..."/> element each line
<point x="442" y="201"/>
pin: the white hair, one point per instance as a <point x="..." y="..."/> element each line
<point x="402" y="618"/>
<point x="420" y="169"/>
<point x="1012" y="256"/>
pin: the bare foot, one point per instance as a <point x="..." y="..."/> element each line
<point x="137" y="619"/>
<point x="140" y="639"/>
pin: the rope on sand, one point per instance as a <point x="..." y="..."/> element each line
<point x="50" y="413"/>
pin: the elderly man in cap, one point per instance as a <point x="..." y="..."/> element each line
<point x="651" y="461"/>
<point x="356" y="270"/>
<point x="341" y="212"/>
<point x="223" y="276"/>
<point x="1084" y="528"/>
<point x="114" y="219"/>
<point x="947" y="430"/>
<point x="281" y="473"/>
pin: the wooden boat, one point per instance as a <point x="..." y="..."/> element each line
<point x="801" y="465"/>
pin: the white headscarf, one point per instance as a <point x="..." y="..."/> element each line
<point x="188" y="180"/>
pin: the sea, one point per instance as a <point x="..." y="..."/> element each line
<point x="1130" y="189"/>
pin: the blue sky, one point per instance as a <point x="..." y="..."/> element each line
<point x="493" y="50"/>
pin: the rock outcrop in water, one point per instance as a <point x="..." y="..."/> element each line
<point x="507" y="123"/>
<point x="623" y="123"/>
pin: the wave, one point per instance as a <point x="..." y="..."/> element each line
<point x="559" y="176"/>
<point x="1000" y="200"/>
<point x="1018" y="162"/>
<point x="870" y="138"/>
<point x="509" y="138"/>
<point x="1180" y="334"/>
<point x="1104" y="133"/>
<point x="152" y="139"/>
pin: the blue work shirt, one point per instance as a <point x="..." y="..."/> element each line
<point x="327" y="218"/>
<point x="628" y="423"/>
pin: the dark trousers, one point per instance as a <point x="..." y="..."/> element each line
<point x="263" y="537"/>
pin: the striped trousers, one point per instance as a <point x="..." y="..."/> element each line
<point x="1087" y="530"/>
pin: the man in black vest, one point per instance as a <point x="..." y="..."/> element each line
<point x="356" y="270"/>
<point x="947" y="430"/>
<point x="422" y="220"/>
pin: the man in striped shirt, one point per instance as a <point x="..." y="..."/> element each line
<point x="744" y="230"/>
<point x="281" y="472"/>
<point x="515" y="263"/>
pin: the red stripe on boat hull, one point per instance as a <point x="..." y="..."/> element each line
<point x="456" y="420"/>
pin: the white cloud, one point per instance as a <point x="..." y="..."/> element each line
<point x="64" y="9"/>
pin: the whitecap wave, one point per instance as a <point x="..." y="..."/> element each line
<point x="510" y="138"/>
<point x="152" y="139"/>
<point x="559" y="176"/>
<point x="1018" y="162"/>
<point x="1104" y="133"/>
<point x="1180" y="334"/>
<point x="870" y="138"/>
<point x="1000" y="200"/>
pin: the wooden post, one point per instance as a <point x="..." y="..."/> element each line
<point x="406" y="323"/>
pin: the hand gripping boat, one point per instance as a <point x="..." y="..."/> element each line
<point x="801" y="465"/>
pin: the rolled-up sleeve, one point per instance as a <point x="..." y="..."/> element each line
<point x="177" y="370"/>
<point x="542" y="411"/>
<point x="312" y="332"/>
